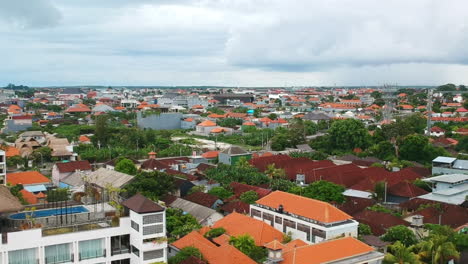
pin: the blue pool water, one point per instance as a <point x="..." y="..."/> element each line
<point x="50" y="212"/>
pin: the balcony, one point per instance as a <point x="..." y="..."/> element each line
<point x="92" y="254"/>
<point x="60" y="259"/>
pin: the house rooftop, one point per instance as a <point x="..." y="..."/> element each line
<point x="342" y="250"/>
<point x="26" y="177"/>
<point x="303" y="206"/>
<point x="237" y="224"/>
<point x="140" y="204"/>
<point x="82" y="165"/>
<point x="449" y="178"/>
<point x="442" y="159"/>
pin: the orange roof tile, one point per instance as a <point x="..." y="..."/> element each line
<point x="274" y="245"/>
<point x="248" y="124"/>
<point x="328" y="251"/>
<point x="219" y="130"/>
<point x="238" y="224"/>
<point x="210" y="154"/>
<point x="207" y="123"/>
<point x="78" y="108"/>
<point x="217" y="116"/>
<point x="27" y="177"/>
<point x="303" y="206"/>
<point x="84" y="139"/>
<point x="224" y="254"/>
<point x="188" y="119"/>
<point x="10" y="151"/>
<point x="30" y="197"/>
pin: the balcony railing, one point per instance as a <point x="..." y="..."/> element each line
<point x="60" y="259"/>
<point x="118" y="251"/>
<point x="92" y="254"/>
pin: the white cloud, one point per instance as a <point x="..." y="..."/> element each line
<point x="234" y="42"/>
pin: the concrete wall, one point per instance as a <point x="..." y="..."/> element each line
<point x="438" y="170"/>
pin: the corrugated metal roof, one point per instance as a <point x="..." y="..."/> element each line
<point x="442" y="159"/>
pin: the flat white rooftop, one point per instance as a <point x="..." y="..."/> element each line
<point x="448" y="178"/>
<point x="442" y="159"/>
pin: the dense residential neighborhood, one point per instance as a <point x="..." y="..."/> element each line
<point x="234" y="175"/>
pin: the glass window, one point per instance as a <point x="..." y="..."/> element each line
<point x="23" y="256"/>
<point x="121" y="261"/>
<point x="58" y="253"/>
<point x="92" y="249"/>
<point x="120" y="244"/>
<point x="135" y="226"/>
<point x="135" y="251"/>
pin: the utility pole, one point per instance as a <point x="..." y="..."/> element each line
<point x="429" y="111"/>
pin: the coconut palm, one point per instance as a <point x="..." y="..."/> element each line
<point x="437" y="249"/>
<point x="400" y="254"/>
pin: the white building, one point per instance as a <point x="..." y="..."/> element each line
<point x="136" y="238"/>
<point x="449" y="188"/>
<point x="2" y="167"/>
<point x="307" y="219"/>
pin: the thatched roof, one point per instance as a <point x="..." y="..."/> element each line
<point x="9" y="203"/>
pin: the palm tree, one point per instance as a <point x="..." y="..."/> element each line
<point x="244" y="243"/>
<point x="437" y="249"/>
<point x="401" y="255"/>
<point x="273" y="173"/>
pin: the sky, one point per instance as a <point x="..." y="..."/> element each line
<point x="233" y="42"/>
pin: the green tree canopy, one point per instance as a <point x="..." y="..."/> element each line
<point x="400" y="233"/>
<point x="184" y="254"/>
<point x="246" y="245"/>
<point x="249" y="197"/>
<point x="348" y="134"/>
<point x="325" y="191"/>
<point x="151" y="184"/>
<point x="126" y="166"/>
<point x="220" y="192"/>
<point x="179" y="224"/>
<point x="399" y="253"/>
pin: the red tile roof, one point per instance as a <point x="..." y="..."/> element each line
<point x="405" y="189"/>
<point x="240" y="188"/>
<point x="236" y="206"/>
<point x="306" y="207"/>
<point x="202" y="198"/>
<point x="26" y="178"/>
<point x="72" y="166"/>
<point x="384" y="222"/>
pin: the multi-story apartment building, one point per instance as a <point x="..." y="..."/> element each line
<point x="2" y="167"/>
<point x="138" y="237"/>
<point x="306" y="219"/>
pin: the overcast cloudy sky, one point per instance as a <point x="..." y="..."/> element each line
<point x="233" y="42"/>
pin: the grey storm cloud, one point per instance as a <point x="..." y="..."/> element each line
<point x="29" y="14"/>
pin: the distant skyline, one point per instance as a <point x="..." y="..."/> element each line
<point x="233" y="42"/>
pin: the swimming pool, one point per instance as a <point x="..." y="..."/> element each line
<point x="50" y="212"/>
